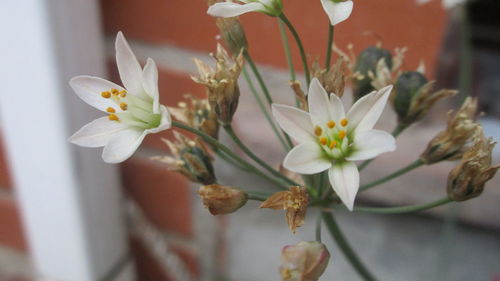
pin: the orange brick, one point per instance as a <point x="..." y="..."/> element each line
<point x="5" y="180"/>
<point x="11" y="231"/>
<point x="164" y="196"/>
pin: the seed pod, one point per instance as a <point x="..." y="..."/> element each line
<point x="222" y="200"/>
<point x="365" y="63"/>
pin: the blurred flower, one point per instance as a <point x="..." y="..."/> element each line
<point x="197" y="114"/>
<point x="331" y="140"/>
<point x="333" y="79"/>
<point x="222" y="200"/>
<point x="189" y="158"/>
<point x="337" y="10"/>
<point x="134" y="111"/>
<point x="233" y="34"/>
<point x="230" y="9"/>
<point x="293" y="201"/>
<point x="451" y="143"/>
<point x="467" y="180"/>
<point x="221" y="83"/>
<point x="305" y="261"/>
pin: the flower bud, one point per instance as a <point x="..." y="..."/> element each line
<point x="451" y="143"/>
<point x="233" y="34"/>
<point x="367" y="62"/>
<point x="333" y="79"/>
<point x="222" y="200"/>
<point x="305" y="261"/>
<point x="190" y="158"/>
<point x="467" y="180"/>
<point x="198" y="114"/>
<point x="293" y="201"/>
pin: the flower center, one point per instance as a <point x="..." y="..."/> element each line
<point x="333" y="138"/>
<point x="132" y="110"/>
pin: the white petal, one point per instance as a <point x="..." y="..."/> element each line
<point x="367" y="110"/>
<point x="337" y="12"/>
<point x="89" y="89"/>
<point x="344" y="179"/>
<point x="336" y="108"/>
<point x="370" y="144"/>
<point x="129" y="68"/>
<point x="165" y="123"/>
<point x="122" y="145"/>
<point x="319" y="105"/>
<point x="150" y="83"/>
<point x="96" y="133"/>
<point x="228" y="9"/>
<point x="295" y="122"/>
<point x="306" y="158"/>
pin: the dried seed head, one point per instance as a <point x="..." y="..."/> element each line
<point x="222" y="200"/>
<point x="198" y="114"/>
<point x="333" y="79"/>
<point x="293" y="201"/>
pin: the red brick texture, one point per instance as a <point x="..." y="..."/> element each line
<point x="11" y="232"/>
<point x="5" y="179"/>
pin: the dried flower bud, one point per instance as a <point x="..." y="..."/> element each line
<point x="190" y="158"/>
<point x="222" y="200"/>
<point x="451" y="143"/>
<point x="221" y="83"/>
<point x="367" y="62"/>
<point x="233" y="34"/>
<point x="293" y="201"/>
<point x="197" y="114"/>
<point x="332" y="80"/>
<point x="467" y="180"/>
<point x="414" y="97"/>
<point x="305" y="261"/>
<point x="299" y="95"/>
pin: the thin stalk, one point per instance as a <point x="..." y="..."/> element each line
<point x="318" y="227"/>
<point x="256" y="196"/>
<point x="394" y="175"/>
<point x="231" y="154"/>
<point x="249" y="153"/>
<point x="331" y="32"/>
<point x="286" y="47"/>
<point x="349" y="253"/>
<point x="465" y="67"/>
<point x="404" y="209"/>
<point x="296" y="36"/>
<point x="264" y="110"/>
<point x="230" y="160"/>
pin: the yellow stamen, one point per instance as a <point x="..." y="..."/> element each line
<point x="323" y="141"/>
<point x="333" y="144"/>
<point x="330" y="124"/>
<point x="110" y="110"/>
<point x="123" y="106"/>
<point x="318" y="131"/>
<point x="123" y="93"/>
<point x="114" y="91"/>
<point x="113" y="117"/>
<point x="342" y="134"/>
<point x="343" y="122"/>
<point x="106" y="95"/>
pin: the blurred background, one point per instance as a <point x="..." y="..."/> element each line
<point x="65" y="215"/>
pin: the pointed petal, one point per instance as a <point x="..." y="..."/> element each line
<point x="150" y="83"/>
<point x="306" y="158"/>
<point x="337" y="11"/>
<point x="96" y="133"/>
<point x="319" y="105"/>
<point x="344" y="179"/>
<point x="370" y="144"/>
<point x="295" y="122"/>
<point x="89" y="89"/>
<point x="165" y="122"/>
<point x="122" y="145"/>
<point x="128" y="66"/>
<point x="228" y="9"/>
<point x="367" y="110"/>
<point x="336" y="108"/>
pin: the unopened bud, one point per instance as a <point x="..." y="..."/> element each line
<point x="222" y="200"/>
<point x="367" y="62"/>
<point x="233" y="34"/>
<point x="293" y="201"/>
<point x="305" y="261"/>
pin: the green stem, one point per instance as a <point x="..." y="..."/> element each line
<point x="256" y="196"/>
<point x="349" y="253"/>
<point x="465" y="67"/>
<point x="396" y="174"/>
<point x="299" y="44"/>
<point x="210" y="140"/>
<point x="249" y="153"/>
<point x="318" y="227"/>
<point x="331" y="31"/>
<point x="286" y="47"/>
<point x="404" y="209"/>
<point x="230" y="160"/>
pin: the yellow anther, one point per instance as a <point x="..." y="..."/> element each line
<point x="343" y="122"/>
<point x="110" y="110"/>
<point x="123" y="106"/>
<point x="115" y="92"/>
<point x="113" y="117"/>
<point x="318" y="131"/>
<point x="106" y="95"/>
<point x="333" y="144"/>
<point x="342" y="134"/>
<point x="330" y="124"/>
<point x="123" y="93"/>
<point x="323" y="141"/>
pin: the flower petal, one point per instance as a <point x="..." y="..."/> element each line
<point x="370" y="144"/>
<point x="123" y="145"/>
<point x="337" y="11"/>
<point x="228" y="9"/>
<point x="295" y="122"/>
<point x="96" y="133"/>
<point x="344" y="179"/>
<point x="306" y="158"/>
<point x="129" y="68"/>
<point x="165" y="122"/>
<point x="367" y="110"/>
<point x="336" y="108"/>
<point x="150" y="83"/>
<point x="319" y="105"/>
<point x="89" y="89"/>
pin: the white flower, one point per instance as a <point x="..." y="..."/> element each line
<point x="337" y="10"/>
<point x="134" y="110"/>
<point x="329" y="139"/>
<point x="230" y="9"/>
